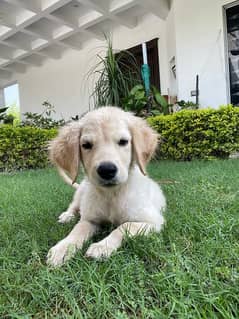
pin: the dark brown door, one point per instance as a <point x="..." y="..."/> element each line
<point x="153" y="60"/>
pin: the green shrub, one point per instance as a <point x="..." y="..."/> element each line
<point x="202" y="134"/>
<point x="13" y="115"/>
<point x="24" y="147"/>
<point x="44" y="119"/>
<point x="40" y="121"/>
<point x="185" y="135"/>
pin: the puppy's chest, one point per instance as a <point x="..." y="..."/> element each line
<point x="114" y="211"/>
<point x="107" y="209"/>
<point x="117" y="212"/>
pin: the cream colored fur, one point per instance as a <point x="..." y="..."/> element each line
<point x="134" y="203"/>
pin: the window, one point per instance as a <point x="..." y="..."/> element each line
<point x="11" y="95"/>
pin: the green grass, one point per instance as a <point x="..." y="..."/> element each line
<point x="189" y="270"/>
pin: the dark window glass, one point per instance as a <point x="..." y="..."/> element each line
<point x="233" y="51"/>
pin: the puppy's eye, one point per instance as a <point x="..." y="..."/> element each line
<point x="87" y="145"/>
<point x="123" y="142"/>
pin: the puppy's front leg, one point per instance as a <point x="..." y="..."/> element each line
<point x="105" y="247"/>
<point x="73" y="208"/>
<point x="70" y="213"/>
<point x="67" y="247"/>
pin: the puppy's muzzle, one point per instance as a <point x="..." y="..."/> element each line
<point x="107" y="171"/>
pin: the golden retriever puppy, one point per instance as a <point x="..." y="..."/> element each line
<point x="113" y="148"/>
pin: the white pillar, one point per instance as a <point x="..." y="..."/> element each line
<point x="2" y="101"/>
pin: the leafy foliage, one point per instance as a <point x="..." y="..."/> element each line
<point x="24" y="147"/>
<point x="3" y="114"/>
<point x="138" y="102"/>
<point x="13" y="115"/>
<point x="116" y="74"/>
<point x="44" y="119"/>
<point x="10" y="114"/>
<point x="137" y="99"/>
<point x="40" y="121"/>
<point x="160" y="101"/>
<point x="9" y="119"/>
<point x="188" y="105"/>
<point x="205" y="134"/>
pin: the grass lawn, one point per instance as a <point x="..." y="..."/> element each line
<point x="189" y="270"/>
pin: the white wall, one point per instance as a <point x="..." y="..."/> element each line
<point x="64" y="82"/>
<point x="171" y="48"/>
<point x="201" y="50"/>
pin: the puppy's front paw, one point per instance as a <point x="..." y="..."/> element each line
<point x="60" y="253"/>
<point x="65" y="217"/>
<point x="100" y="250"/>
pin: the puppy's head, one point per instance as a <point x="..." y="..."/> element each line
<point x="107" y="142"/>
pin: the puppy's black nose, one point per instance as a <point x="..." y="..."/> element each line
<point x="107" y="170"/>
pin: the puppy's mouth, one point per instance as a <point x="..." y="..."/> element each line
<point x="108" y="183"/>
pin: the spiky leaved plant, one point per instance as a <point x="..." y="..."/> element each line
<point x="116" y="74"/>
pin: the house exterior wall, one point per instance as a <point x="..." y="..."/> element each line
<point x="64" y="82"/>
<point x="192" y="36"/>
<point x="172" y="52"/>
<point x="200" y="43"/>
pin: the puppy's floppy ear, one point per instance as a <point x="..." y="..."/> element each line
<point x="64" y="150"/>
<point x="144" y="142"/>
